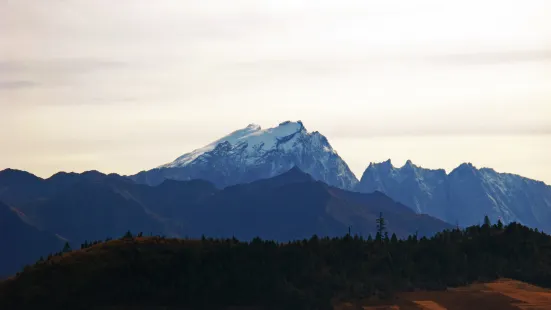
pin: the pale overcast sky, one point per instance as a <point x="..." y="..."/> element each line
<point x="122" y="86"/>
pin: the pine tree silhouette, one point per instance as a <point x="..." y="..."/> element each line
<point x="381" y="227"/>
<point x="66" y="248"/>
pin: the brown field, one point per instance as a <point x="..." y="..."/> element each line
<point x="503" y="294"/>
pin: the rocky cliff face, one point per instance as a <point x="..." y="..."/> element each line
<point x="463" y="196"/>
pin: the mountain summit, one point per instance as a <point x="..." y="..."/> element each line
<point x="253" y="153"/>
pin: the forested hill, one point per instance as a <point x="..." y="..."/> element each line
<point x="154" y="272"/>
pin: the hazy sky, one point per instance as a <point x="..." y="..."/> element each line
<point x="126" y="85"/>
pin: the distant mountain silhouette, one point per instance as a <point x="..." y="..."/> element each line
<point x="91" y="211"/>
<point x="300" y="207"/>
<point x="92" y="205"/>
<point x="18" y="187"/>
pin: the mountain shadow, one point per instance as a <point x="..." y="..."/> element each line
<point x="21" y="243"/>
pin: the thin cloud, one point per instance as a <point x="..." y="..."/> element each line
<point x="18" y="84"/>
<point x="493" y="57"/>
<point x="291" y="66"/>
<point x="435" y="131"/>
<point x="58" y="66"/>
<point x="333" y="65"/>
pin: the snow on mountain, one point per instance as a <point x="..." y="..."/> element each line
<point x="253" y="153"/>
<point x="465" y="195"/>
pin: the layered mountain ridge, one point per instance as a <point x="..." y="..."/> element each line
<point x="95" y="206"/>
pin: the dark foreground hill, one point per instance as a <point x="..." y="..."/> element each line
<point x="153" y="272"/>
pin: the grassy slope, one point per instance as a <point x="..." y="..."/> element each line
<point x="503" y="294"/>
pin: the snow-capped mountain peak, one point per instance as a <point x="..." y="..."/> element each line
<point x="253" y="138"/>
<point x="254" y="153"/>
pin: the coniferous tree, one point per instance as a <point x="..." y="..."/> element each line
<point x="66" y="247"/>
<point x="487" y="223"/>
<point x="381" y="227"/>
<point x="128" y="235"/>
